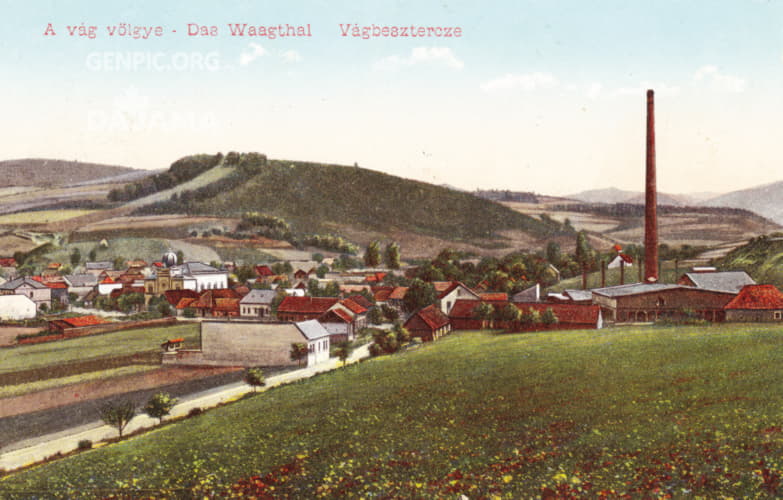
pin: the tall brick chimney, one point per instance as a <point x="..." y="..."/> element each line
<point x="650" y="199"/>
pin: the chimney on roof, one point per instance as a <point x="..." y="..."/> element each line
<point x="650" y="199"/>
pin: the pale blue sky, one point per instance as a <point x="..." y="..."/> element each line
<point x="536" y="95"/>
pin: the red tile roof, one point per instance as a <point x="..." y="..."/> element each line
<point x="108" y="281"/>
<point x="311" y="305"/>
<point x="586" y="314"/>
<point x="442" y="286"/>
<point x="8" y="262"/>
<point x="432" y="316"/>
<point x="335" y="314"/>
<point x="757" y="297"/>
<point x="463" y="309"/>
<point x="264" y="271"/>
<point x="361" y="300"/>
<point x="398" y="293"/>
<point x="223" y="293"/>
<point x="226" y="305"/>
<point x="353" y="306"/>
<point x="381" y="293"/>
<point x="375" y="277"/>
<point x="185" y="302"/>
<point x="174" y="296"/>
<point x="494" y="297"/>
<point x="81" y="321"/>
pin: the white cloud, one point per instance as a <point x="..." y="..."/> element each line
<point x="421" y="55"/>
<point x="594" y="91"/>
<point x="527" y="82"/>
<point x="291" y="56"/>
<point x="256" y="51"/>
<point x="710" y="76"/>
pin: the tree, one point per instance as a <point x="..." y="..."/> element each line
<point x="180" y="257"/>
<point x="390" y="313"/>
<point x="119" y="263"/>
<point x="485" y="312"/>
<point x="509" y="313"/>
<point x="530" y="318"/>
<point x="160" y="405"/>
<point x="298" y="352"/>
<point x="372" y="256"/>
<point x="130" y="301"/>
<point x="584" y="252"/>
<point x="318" y="257"/>
<point x="254" y="377"/>
<point x="342" y="350"/>
<point x="92" y="255"/>
<point x="553" y="254"/>
<point x="118" y="414"/>
<point x="244" y="273"/>
<point x="321" y="270"/>
<point x="375" y="316"/>
<point x="420" y="294"/>
<point x="391" y="256"/>
<point x="549" y="317"/>
<point x="76" y="257"/>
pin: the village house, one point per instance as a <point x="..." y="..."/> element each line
<point x="65" y="324"/>
<point x="532" y="294"/>
<point x="250" y="343"/>
<point x="304" y="308"/>
<point x="34" y="290"/>
<point x="757" y="303"/>
<point x="96" y="268"/>
<point x="257" y="304"/>
<point x="107" y="285"/>
<point x="619" y="260"/>
<point x="17" y="307"/>
<point x="80" y="284"/>
<point x="429" y="324"/>
<point x="449" y="292"/>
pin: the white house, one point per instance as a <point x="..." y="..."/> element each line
<point x="16" y="307"/>
<point x="454" y="292"/>
<point x="257" y="304"/>
<point x="317" y="341"/>
<point x="199" y="277"/>
<point x="106" y="286"/>
<point x="34" y="290"/>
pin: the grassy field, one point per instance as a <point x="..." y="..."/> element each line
<point x="28" y="357"/>
<point x="41" y="216"/>
<point x="8" y="391"/>
<point x="619" y="413"/>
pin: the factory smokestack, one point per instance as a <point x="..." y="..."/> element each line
<point x="650" y="199"/>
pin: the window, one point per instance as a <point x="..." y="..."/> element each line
<point x="778" y="315"/>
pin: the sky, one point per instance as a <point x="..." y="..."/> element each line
<point x="535" y="95"/>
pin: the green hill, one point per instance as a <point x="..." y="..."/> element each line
<point x="636" y="412"/>
<point x="322" y="198"/>
<point x="761" y="257"/>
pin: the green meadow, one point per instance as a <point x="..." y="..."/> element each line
<point x="616" y="413"/>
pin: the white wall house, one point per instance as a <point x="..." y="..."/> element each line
<point x="317" y="341"/>
<point x="16" y="307"/>
<point x="200" y="277"/>
<point x="34" y="290"/>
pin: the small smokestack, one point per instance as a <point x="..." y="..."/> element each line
<point x="650" y="199"/>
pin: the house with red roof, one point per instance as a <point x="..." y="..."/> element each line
<point x="758" y="303"/>
<point x="428" y="323"/>
<point x="304" y="308"/>
<point x="570" y="316"/>
<point x="449" y="295"/>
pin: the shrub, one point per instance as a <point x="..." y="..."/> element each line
<point x="195" y="411"/>
<point x="85" y="444"/>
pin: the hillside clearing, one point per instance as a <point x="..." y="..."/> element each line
<point x="633" y="411"/>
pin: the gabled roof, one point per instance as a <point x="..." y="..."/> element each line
<point x="361" y="300"/>
<point x="195" y="268"/>
<point x="729" y="281"/>
<point x="431" y="316"/>
<point x="185" y="302"/>
<point x="398" y="293"/>
<point x="175" y="296"/>
<point x="108" y="281"/>
<point x="633" y="289"/>
<point x="375" y="277"/>
<point x="8" y="262"/>
<point x="335" y="315"/>
<point x="381" y="293"/>
<point x="264" y="297"/>
<point x="353" y="306"/>
<point x="81" y="280"/>
<point x="312" y="329"/>
<point x="18" y="282"/>
<point x="264" y="271"/>
<point x="453" y="286"/>
<point x="226" y="305"/>
<point x="306" y="305"/>
<point x="759" y="297"/>
<point x="579" y="295"/>
<point x="464" y="309"/>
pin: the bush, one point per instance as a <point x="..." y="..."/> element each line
<point x="195" y="411"/>
<point x="85" y="444"/>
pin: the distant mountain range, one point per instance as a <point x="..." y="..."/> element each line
<point x="614" y="195"/>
